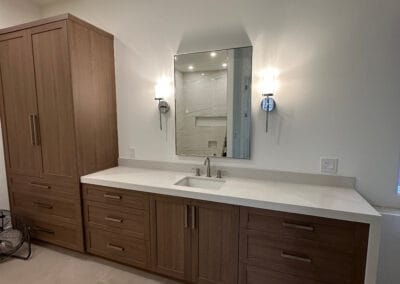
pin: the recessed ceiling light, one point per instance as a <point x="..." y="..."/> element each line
<point x="224" y="65"/>
<point x="190" y="67"/>
<point x="213" y="54"/>
<point x="202" y="74"/>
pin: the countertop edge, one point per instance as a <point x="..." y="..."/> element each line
<point x="298" y="209"/>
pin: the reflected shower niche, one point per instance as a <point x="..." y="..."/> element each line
<point x="213" y="103"/>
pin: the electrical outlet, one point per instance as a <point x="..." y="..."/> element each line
<point x="329" y="165"/>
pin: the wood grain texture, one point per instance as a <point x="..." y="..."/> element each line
<point x="116" y="197"/>
<point x="215" y="249"/>
<point x="18" y="104"/>
<point x="54" y="99"/>
<point x="57" y="18"/>
<point x="92" y="67"/>
<point x="121" y="220"/>
<point x="314" y="248"/>
<point x="53" y="231"/>
<point x="113" y="246"/>
<point x="170" y="240"/>
<point x="66" y="209"/>
<point x="255" y="275"/>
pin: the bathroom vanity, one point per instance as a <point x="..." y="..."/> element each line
<point x="243" y="231"/>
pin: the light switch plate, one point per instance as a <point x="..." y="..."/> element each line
<point x="329" y="165"/>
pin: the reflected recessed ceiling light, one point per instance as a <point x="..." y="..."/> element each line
<point x="175" y="57"/>
<point x="213" y="54"/>
<point x="202" y="74"/>
<point x="224" y="65"/>
<point x="190" y="67"/>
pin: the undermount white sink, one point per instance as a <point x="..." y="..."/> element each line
<point x="200" y="182"/>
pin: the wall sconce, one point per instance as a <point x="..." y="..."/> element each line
<point x="268" y="87"/>
<point x="162" y="90"/>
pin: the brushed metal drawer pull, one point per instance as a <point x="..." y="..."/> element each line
<point x="111" y="246"/>
<point x="297" y="226"/>
<point x="185" y="207"/>
<point x="33" y="139"/>
<point x="107" y="218"/>
<point x="36" y="129"/>
<point x="46" y="186"/>
<point x="193" y="217"/>
<point x="43" y="230"/>
<point x="295" y="257"/>
<point x="112" y="196"/>
<point x="43" y="205"/>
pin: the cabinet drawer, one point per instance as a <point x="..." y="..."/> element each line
<point x="48" y="206"/>
<point x="112" y="246"/>
<point x="121" y="220"/>
<point x="62" y="234"/>
<point x="297" y="257"/>
<point x="334" y="233"/>
<point x="113" y="196"/>
<point x="34" y="185"/>
<point x="255" y="275"/>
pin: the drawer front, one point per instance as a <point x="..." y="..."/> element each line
<point x="296" y="257"/>
<point x="121" y="220"/>
<point x="35" y="204"/>
<point x="254" y="275"/>
<point x="118" y="197"/>
<point x="62" y="234"/>
<point x="42" y="186"/>
<point x="112" y="246"/>
<point x="334" y="233"/>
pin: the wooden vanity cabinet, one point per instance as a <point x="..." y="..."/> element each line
<point x="58" y="115"/>
<point x="278" y="247"/>
<point x="195" y="240"/>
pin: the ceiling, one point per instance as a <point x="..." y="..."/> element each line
<point x="202" y="61"/>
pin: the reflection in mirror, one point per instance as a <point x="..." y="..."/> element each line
<point x="213" y="103"/>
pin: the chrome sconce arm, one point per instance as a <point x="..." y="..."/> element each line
<point x="267" y="105"/>
<point x="163" y="107"/>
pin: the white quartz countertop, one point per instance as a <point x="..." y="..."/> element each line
<point x="324" y="201"/>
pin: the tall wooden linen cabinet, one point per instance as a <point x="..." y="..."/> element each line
<point x="58" y="118"/>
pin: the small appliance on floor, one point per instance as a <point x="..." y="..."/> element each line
<point x="13" y="238"/>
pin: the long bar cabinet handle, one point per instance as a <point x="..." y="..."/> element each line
<point x="295" y="257"/>
<point x="31" y="125"/>
<point x="112" y="219"/>
<point x="297" y="226"/>
<point x="114" y="247"/>
<point x="45" y="186"/>
<point x="112" y="196"/>
<point x="43" y="205"/>
<point x="186" y="222"/>
<point x="193" y="217"/>
<point x="43" y="230"/>
<point x="36" y="129"/>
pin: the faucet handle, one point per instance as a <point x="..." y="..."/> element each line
<point x="219" y="174"/>
<point x="196" y="172"/>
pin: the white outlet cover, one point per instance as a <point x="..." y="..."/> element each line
<point x="329" y="165"/>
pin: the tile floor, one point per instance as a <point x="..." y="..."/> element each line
<point x="53" y="265"/>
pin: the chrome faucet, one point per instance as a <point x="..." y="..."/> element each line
<point x="207" y="164"/>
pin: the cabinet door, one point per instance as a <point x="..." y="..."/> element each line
<point x="18" y="105"/>
<point x="215" y="246"/>
<point x="170" y="237"/>
<point x="54" y="97"/>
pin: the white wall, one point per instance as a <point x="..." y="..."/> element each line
<point x="339" y="84"/>
<point x="13" y="12"/>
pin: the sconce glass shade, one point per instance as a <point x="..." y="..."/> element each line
<point x="159" y="91"/>
<point x="268" y="104"/>
<point x="269" y="82"/>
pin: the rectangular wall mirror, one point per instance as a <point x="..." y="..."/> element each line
<point x="213" y="103"/>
